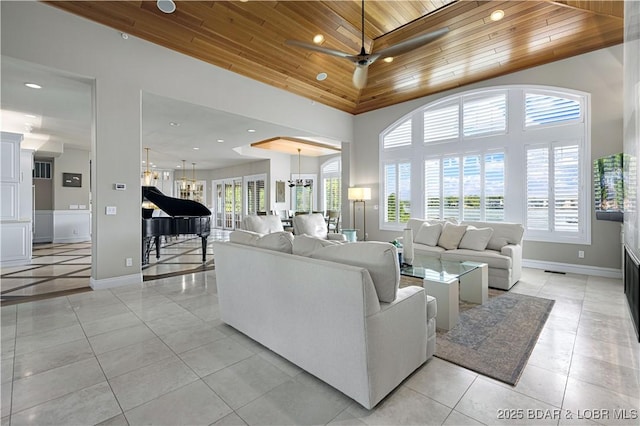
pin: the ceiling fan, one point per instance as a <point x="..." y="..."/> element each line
<point x="364" y="59"/>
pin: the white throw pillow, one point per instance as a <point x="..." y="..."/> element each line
<point x="451" y="236"/>
<point x="304" y="245"/>
<point x="248" y="238"/>
<point x="428" y="234"/>
<point x="476" y="238"/>
<point x="277" y="241"/>
<point x="380" y="259"/>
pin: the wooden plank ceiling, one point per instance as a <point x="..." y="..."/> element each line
<point x="247" y="37"/>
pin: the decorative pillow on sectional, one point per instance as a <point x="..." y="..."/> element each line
<point x="380" y="259"/>
<point x="277" y="241"/>
<point x="451" y="236"/>
<point x="428" y="234"/>
<point x="304" y="245"/>
<point x="476" y="238"/>
<point x="248" y="238"/>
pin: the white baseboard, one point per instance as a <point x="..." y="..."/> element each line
<point x="80" y="239"/>
<point x="115" y="281"/>
<point x="597" y="271"/>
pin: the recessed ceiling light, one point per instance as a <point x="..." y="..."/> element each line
<point x="322" y="76"/>
<point x="178" y="166"/>
<point x="174" y="124"/>
<point x="33" y="86"/>
<point x="220" y="140"/>
<point x="30" y="116"/>
<point x="196" y="148"/>
<point x="318" y="38"/>
<point x="497" y="15"/>
<point x="251" y="130"/>
<point x="124" y="35"/>
<point x="388" y="59"/>
<point x="166" y="6"/>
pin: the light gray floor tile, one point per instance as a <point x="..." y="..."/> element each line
<point x="120" y="338"/>
<point x="132" y="357"/>
<point x="294" y="403"/>
<point x="491" y="403"/>
<point x="147" y="383"/>
<point x="90" y="405"/>
<point x="245" y="381"/>
<point x="34" y="390"/>
<point x="283" y="364"/>
<point x="441" y="381"/>
<point x="159" y="311"/>
<point x="582" y="397"/>
<point x="173" y="323"/>
<point x="215" y="356"/>
<point x="346" y="419"/>
<point x="542" y="384"/>
<point x="614" y="377"/>
<point x="42" y="323"/>
<point x="52" y="357"/>
<point x="552" y="356"/>
<point x="115" y="322"/>
<point x="6" y="369"/>
<point x="459" y="419"/>
<point x="612" y="353"/>
<point x="119" y="420"/>
<point x="230" y="420"/>
<point x="193" y="404"/>
<point x="46" y="339"/>
<point x="6" y="390"/>
<point x="192" y="337"/>
<point x="403" y="406"/>
<point x="89" y="313"/>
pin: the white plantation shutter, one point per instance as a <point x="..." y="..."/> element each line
<point x="485" y="115"/>
<point x="566" y="187"/>
<point x="332" y="184"/>
<point x="538" y="189"/>
<point x="451" y="187"/>
<point x="397" y="192"/>
<point x="441" y="123"/>
<point x="390" y="191"/>
<point x="471" y="187"/>
<point x="398" y="137"/>
<point x="255" y="195"/>
<point x="494" y="187"/>
<point x="432" y="200"/>
<point x="541" y="109"/>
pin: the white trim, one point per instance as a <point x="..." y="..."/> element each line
<point x="120" y="281"/>
<point x="71" y="226"/>
<point x="573" y="269"/>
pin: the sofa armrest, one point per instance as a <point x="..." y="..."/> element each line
<point x="396" y="340"/>
<point x="514" y="251"/>
<point x="336" y="237"/>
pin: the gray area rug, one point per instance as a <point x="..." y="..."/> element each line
<point x="496" y="339"/>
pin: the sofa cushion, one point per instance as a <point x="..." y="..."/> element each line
<point x="248" y="238"/>
<point x="310" y="224"/>
<point x="428" y="250"/>
<point x="504" y="233"/>
<point x="262" y="224"/>
<point x="304" y="245"/>
<point x="277" y="241"/>
<point x="379" y="258"/>
<point x="491" y="257"/>
<point x="475" y="238"/>
<point x="428" y="234"/>
<point x="451" y="236"/>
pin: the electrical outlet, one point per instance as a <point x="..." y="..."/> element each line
<point x="580" y="254"/>
<point x="128" y="261"/>
<point x="75" y="232"/>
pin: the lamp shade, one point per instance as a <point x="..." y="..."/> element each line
<point x="359" y="194"/>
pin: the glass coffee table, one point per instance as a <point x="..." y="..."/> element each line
<point x="449" y="281"/>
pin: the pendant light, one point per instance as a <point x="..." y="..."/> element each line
<point x="183" y="183"/>
<point x="147" y="174"/>
<point x="299" y="182"/>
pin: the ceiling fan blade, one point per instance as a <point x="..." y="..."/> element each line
<point x="360" y="76"/>
<point x="407" y="45"/>
<point x="318" y="49"/>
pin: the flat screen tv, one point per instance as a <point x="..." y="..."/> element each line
<point x="608" y="187"/>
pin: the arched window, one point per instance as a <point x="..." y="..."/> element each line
<point x="510" y="153"/>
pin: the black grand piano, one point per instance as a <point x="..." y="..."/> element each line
<point x="187" y="217"/>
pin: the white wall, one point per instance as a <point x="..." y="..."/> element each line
<point x="599" y="73"/>
<point x="122" y="70"/>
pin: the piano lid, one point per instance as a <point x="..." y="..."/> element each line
<point x="174" y="206"/>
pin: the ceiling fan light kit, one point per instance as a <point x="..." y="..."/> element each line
<point x="364" y="59"/>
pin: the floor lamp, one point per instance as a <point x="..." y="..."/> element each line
<point x="360" y="195"/>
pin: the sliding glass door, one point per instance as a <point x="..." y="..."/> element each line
<point x="228" y="204"/>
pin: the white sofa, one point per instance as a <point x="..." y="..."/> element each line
<point x="314" y="224"/>
<point x="325" y="316"/>
<point x="498" y="244"/>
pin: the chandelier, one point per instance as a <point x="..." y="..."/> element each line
<point x="147" y="175"/>
<point x="183" y="180"/>
<point x="300" y="182"/>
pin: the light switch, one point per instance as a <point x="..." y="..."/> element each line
<point x="111" y="210"/>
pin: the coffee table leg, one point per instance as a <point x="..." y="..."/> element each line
<point x="474" y="285"/>
<point x="446" y="294"/>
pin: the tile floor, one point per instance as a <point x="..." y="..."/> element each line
<point x="157" y="353"/>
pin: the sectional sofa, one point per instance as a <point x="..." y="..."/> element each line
<point x="498" y="244"/>
<point x="335" y="310"/>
